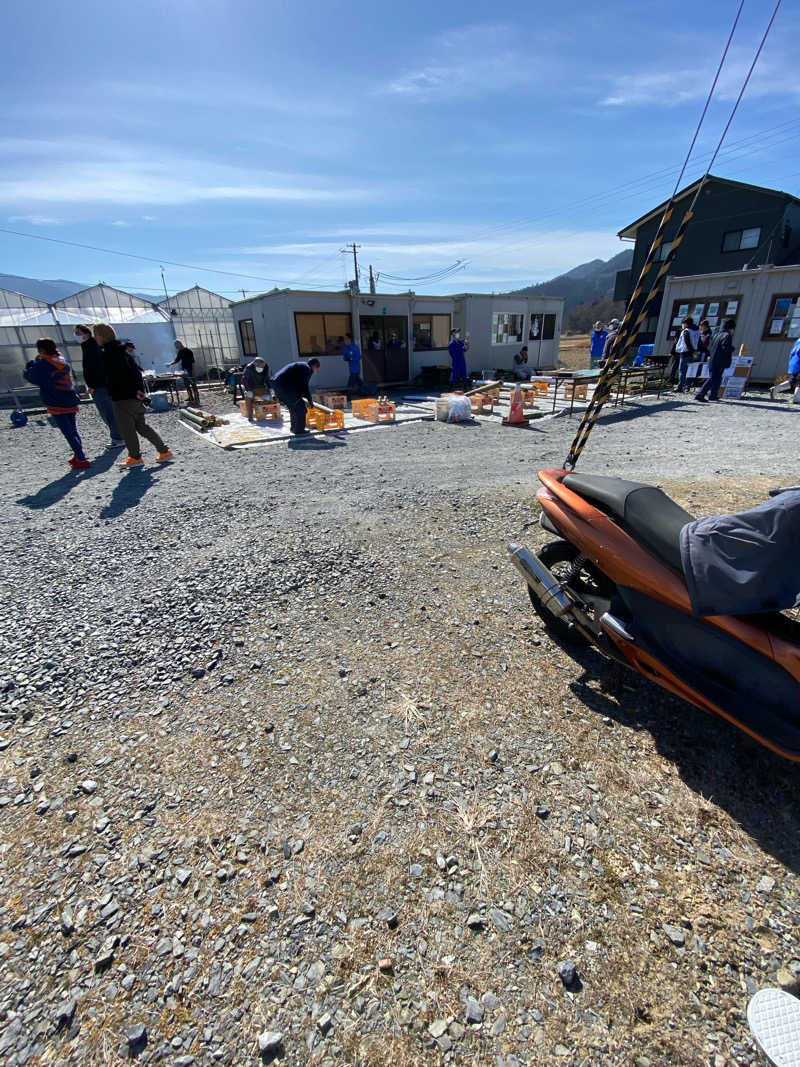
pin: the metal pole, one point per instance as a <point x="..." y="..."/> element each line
<point x="164" y="283"/>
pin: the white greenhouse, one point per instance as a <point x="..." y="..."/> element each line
<point x="204" y="322"/>
<point x="200" y="318"/>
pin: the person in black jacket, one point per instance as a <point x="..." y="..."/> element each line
<point x="94" y="374"/>
<point x="126" y="386"/>
<point x="185" y="357"/>
<point x="291" y="384"/>
<point x="721" y="356"/>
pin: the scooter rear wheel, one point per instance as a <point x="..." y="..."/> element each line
<point x="559" y="556"/>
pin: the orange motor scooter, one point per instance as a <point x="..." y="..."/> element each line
<point x="615" y="580"/>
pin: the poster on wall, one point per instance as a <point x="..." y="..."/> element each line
<point x="683" y="311"/>
<point x="733" y="307"/>
<point x="776" y="327"/>
<point x="713" y="309"/>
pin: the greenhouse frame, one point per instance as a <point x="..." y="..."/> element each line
<point x="201" y="319"/>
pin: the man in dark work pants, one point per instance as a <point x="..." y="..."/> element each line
<point x="291" y="385"/>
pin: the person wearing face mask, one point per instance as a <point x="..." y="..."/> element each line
<point x="255" y="382"/>
<point x="458" y="357"/>
<point x="94" y="374"/>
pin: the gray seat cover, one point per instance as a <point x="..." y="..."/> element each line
<point x="746" y="563"/>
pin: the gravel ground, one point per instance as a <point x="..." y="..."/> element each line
<point x="290" y="771"/>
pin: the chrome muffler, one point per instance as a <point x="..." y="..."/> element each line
<point x="541" y="580"/>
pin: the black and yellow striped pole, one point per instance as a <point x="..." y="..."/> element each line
<point x="635" y="314"/>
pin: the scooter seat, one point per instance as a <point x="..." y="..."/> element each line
<point x="647" y="513"/>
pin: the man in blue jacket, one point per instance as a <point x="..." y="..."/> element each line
<point x="721" y="356"/>
<point x="293" y="389"/>
<point x="793" y="370"/>
<point x="458" y="350"/>
<point x="352" y="357"/>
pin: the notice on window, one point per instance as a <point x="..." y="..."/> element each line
<point x="683" y="311"/>
<point x="776" y="327"/>
<point x="676" y="321"/>
<point x="713" y="321"/>
<point x="733" y="307"/>
<point x="713" y="309"/>
<point x="698" y="312"/>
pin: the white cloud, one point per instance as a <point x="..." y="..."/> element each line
<point x="469" y="62"/>
<point x="37" y="220"/>
<point x="774" y="75"/>
<point x="517" y="256"/>
<point x="122" y="224"/>
<point x="97" y="172"/>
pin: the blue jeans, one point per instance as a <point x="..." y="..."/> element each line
<point x="684" y="366"/>
<point x="68" y="424"/>
<point x="105" y="409"/>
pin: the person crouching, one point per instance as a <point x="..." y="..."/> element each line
<point x="255" y="382"/>
<point x="51" y="373"/>
<point x="126" y="386"/>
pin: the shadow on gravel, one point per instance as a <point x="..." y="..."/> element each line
<point x="57" y="490"/>
<point x="314" y="444"/>
<point x="128" y="492"/>
<point x="716" y="761"/>
<point x="628" y="413"/>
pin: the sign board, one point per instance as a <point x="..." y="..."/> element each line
<point x="736" y="376"/>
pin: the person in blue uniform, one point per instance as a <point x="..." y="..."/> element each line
<point x="458" y="358"/>
<point x="293" y="389"/>
<point x="352" y="357"/>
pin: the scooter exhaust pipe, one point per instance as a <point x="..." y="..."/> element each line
<point x="541" y="580"/>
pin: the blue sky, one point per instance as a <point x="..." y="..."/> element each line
<point x="258" y="138"/>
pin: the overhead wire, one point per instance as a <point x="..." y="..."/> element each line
<point x="640" y="302"/>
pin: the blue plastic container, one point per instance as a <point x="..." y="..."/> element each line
<point x="160" y="401"/>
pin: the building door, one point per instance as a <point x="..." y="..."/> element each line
<point x="384" y="345"/>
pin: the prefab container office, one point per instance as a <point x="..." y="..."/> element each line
<point x="765" y="303"/>
<point x="399" y="334"/>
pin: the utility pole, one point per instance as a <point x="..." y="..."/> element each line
<point x="355" y="248"/>
<point x="372" y="280"/>
<point x="164" y="283"/>
<point x="244" y="294"/>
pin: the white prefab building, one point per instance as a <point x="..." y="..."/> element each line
<point x="204" y="322"/>
<point x="402" y="336"/>
<point x="765" y="303"/>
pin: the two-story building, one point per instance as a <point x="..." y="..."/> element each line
<point x="735" y="226"/>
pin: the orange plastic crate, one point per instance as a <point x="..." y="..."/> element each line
<point x="578" y="390"/>
<point x="326" y="420"/>
<point x="541" y="388"/>
<point x="480" y="403"/>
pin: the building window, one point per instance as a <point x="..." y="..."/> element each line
<point x="542" y="328"/>
<point x="663" y="251"/>
<point x="783" y="319"/>
<point x="506" y="328"/>
<point x="714" y="308"/>
<point x="737" y="240"/>
<point x="248" y="336"/>
<point x="321" y="334"/>
<point x="431" y="331"/>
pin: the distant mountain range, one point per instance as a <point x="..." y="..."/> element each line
<point x="50" y="290"/>
<point x="585" y="283"/>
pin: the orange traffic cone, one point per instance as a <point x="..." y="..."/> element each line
<point x="515" y="415"/>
